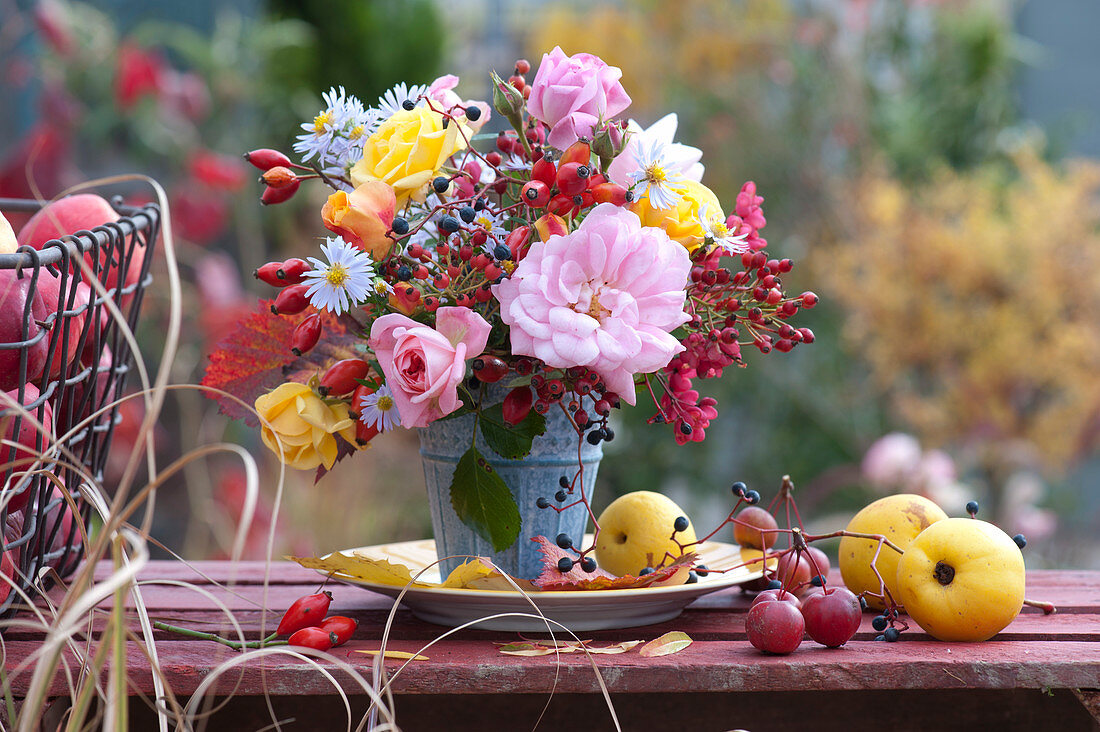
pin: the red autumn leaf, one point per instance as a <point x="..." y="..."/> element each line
<point x="256" y="356"/>
<point x="553" y="579"/>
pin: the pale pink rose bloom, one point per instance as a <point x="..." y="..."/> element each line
<point x="891" y="460"/>
<point x="442" y="93"/>
<point x="572" y="93"/>
<point x="424" y="366"/>
<point x="605" y="296"/>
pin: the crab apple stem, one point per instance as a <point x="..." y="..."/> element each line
<point x="1047" y="607"/>
<point x="236" y="645"/>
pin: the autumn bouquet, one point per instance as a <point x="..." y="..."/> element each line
<point x="573" y="259"/>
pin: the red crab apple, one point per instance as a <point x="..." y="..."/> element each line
<point x="756" y="528"/>
<point x="75" y="213"/>
<point x="832" y="616"/>
<point x="794" y="573"/>
<point x="15" y="292"/>
<point x="26" y="439"/>
<point x="776" y="595"/>
<point x="775" y="627"/>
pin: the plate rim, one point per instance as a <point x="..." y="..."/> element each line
<point x="719" y="582"/>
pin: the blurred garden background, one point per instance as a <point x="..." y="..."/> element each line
<point x="931" y="167"/>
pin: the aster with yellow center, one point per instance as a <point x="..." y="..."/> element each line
<point x="379" y="410"/>
<point x="654" y="177"/>
<point x="344" y="281"/>
<point x="718" y="233"/>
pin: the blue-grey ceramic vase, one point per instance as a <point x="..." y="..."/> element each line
<point x="553" y="455"/>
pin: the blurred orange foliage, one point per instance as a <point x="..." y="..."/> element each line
<point x="975" y="298"/>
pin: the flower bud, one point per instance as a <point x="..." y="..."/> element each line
<point x="609" y="142"/>
<point x="508" y="101"/>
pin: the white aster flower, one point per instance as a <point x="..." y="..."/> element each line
<point x="515" y="162"/>
<point x="493" y="225"/>
<point x="714" y="226"/>
<point x="394" y="100"/>
<point x="678" y="158"/>
<point x="655" y="176"/>
<point x="327" y="125"/>
<point x="342" y="282"/>
<point x="378" y="410"/>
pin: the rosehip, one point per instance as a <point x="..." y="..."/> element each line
<point x="315" y="638"/>
<point x="579" y="152"/>
<point x="544" y="171"/>
<point x="343" y="376"/>
<point x="269" y="274"/>
<point x="517" y="404"/>
<point x="306" y="334"/>
<point x="489" y="369"/>
<point x="342" y="627"/>
<point x="305" y="612"/>
<point x="273" y="195"/>
<point x="535" y="194"/>
<point x="572" y="178"/>
<point x="293" y="271"/>
<point x="291" y="300"/>
<point x="266" y="158"/>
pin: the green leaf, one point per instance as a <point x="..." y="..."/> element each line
<point x="483" y="501"/>
<point x="512" y="442"/>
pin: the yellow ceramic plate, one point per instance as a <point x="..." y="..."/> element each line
<point x="578" y="611"/>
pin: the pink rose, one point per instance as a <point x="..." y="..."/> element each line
<point x="442" y="93"/>
<point x="573" y="93"/>
<point x="424" y="366"/>
<point x="605" y="296"/>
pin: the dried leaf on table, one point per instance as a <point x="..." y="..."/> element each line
<point x="256" y="356"/>
<point x="397" y="655"/>
<point x="357" y="566"/>
<point x="525" y="649"/>
<point x="553" y="579"/>
<point x="614" y="648"/>
<point x="669" y="643"/>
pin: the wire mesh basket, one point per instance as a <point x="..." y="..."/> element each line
<point x="63" y="357"/>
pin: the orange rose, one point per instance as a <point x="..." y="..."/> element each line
<point x="363" y="217"/>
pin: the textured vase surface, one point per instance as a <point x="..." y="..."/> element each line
<point x="553" y="454"/>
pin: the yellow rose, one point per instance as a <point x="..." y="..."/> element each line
<point x="681" y="222"/>
<point x="306" y="427"/>
<point x="407" y="151"/>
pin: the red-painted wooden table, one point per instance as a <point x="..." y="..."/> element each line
<point x="1042" y="672"/>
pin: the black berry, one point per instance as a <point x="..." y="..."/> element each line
<point x="565" y="564"/>
<point x="448" y="224"/>
<point x="542" y="502"/>
<point x="564" y="541"/>
<point x="972" y="507"/>
<point x="752" y="497"/>
<point x="879" y="623"/>
<point x="680" y="524"/>
<point x="400" y="226"/>
<point x="1021" y="540"/>
<point x="738" y="488"/>
<point x="473" y="113"/>
<point x="891" y="634"/>
<point x="560" y="496"/>
<point x="467" y="214"/>
<point x="645" y="571"/>
<point x="774" y="584"/>
<point x="440" y="184"/>
<point x="408" y="105"/>
<point x="588" y="564"/>
<point x="502" y="252"/>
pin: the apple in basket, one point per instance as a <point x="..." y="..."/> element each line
<point x="26" y="440"/>
<point x="10" y="560"/>
<point x="16" y="295"/>
<point x="8" y="242"/>
<point x="75" y="213"/>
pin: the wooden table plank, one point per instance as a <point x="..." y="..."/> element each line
<point x="476" y="667"/>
